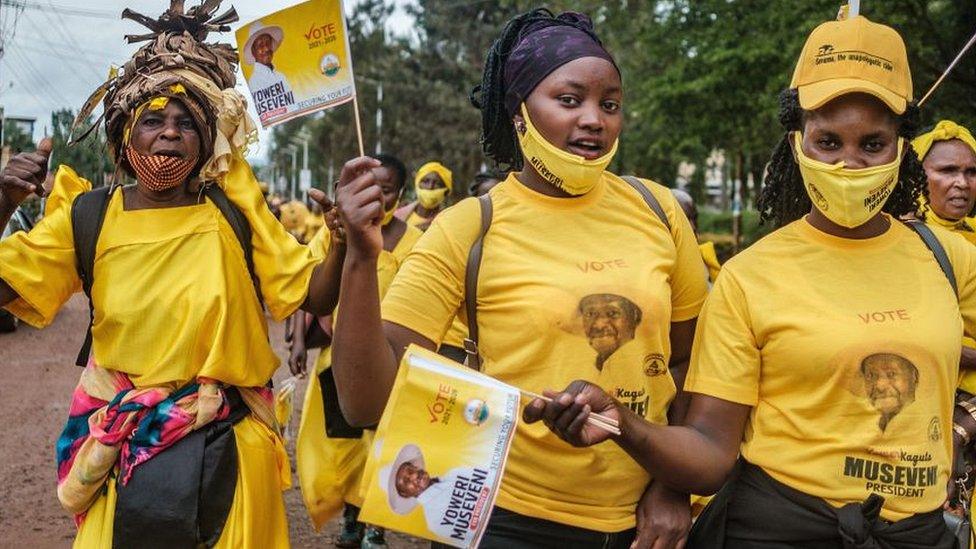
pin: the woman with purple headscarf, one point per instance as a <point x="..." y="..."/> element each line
<point x="583" y="275"/>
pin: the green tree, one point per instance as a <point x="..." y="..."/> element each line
<point x="17" y="139"/>
<point x="698" y="75"/>
<point x="89" y="158"/>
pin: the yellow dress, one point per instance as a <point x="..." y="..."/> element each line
<point x="174" y="302"/>
<point x="330" y="469"/>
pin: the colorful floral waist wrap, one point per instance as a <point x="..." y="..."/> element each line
<point x="111" y="423"/>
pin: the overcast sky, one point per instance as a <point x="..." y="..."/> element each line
<point x="59" y="56"/>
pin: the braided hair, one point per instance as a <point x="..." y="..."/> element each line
<point x="784" y="199"/>
<point x="498" y="138"/>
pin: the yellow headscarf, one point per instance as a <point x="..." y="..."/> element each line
<point x="437" y="168"/>
<point x="155" y="104"/>
<point x="945" y="130"/>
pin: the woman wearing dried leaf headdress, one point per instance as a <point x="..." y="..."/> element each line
<point x="171" y="439"/>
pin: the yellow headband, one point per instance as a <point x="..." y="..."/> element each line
<point x="155" y="104"/>
<point x="945" y="130"/>
<point x="437" y="168"/>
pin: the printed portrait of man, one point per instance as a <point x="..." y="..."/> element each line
<point x="889" y="382"/>
<point x="408" y="484"/>
<point x="267" y="85"/>
<point x="609" y="322"/>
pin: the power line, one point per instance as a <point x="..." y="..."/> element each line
<point x="49" y="89"/>
<point x="29" y="38"/>
<point x="59" y="26"/>
<point x="33" y="97"/>
<point x="52" y="50"/>
<point x="64" y="10"/>
<point x="49" y="45"/>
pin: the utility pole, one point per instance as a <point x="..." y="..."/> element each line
<point x="305" y="176"/>
<point x="379" y="117"/>
<point x="293" y="186"/>
<point x="3" y="49"/>
<point x="332" y="182"/>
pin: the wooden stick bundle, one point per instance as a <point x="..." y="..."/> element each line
<point x="603" y="422"/>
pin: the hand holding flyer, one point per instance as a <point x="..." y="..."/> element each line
<point x="440" y="450"/>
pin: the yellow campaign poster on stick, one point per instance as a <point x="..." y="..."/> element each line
<point x="296" y="61"/>
<point x="440" y="449"/>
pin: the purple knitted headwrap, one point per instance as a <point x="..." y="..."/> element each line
<point x="543" y="47"/>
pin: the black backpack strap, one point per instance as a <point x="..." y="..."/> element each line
<point x="87" y="217"/>
<point x="471" y="272"/>
<point x="649" y="198"/>
<point x="242" y="229"/>
<point x="933" y="244"/>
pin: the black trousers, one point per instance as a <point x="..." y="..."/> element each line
<point x="754" y="511"/>
<point x="508" y="530"/>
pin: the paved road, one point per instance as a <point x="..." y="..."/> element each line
<point x="38" y="376"/>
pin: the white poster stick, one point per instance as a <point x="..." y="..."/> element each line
<point x="854" y="8"/>
<point x="359" y="125"/>
<point x="355" y="92"/>
<point x="948" y="70"/>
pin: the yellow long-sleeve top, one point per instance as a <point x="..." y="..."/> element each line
<point x="172" y="295"/>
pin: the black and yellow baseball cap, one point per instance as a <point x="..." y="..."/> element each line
<point x="853" y="55"/>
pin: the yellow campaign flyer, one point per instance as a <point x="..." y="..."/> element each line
<point x="440" y="450"/>
<point x="296" y="61"/>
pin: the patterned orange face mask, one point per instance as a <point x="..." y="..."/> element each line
<point x="159" y="172"/>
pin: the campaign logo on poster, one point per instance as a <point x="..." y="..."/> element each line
<point x="330" y="64"/>
<point x="476" y="412"/>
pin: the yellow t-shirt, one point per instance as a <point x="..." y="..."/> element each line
<point x="388" y="262"/>
<point x="172" y="294"/>
<point x="569" y="288"/>
<point x="417" y="220"/>
<point x="710" y="258"/>
<point x="330" y="470"/>
<point x="967" y="229"/>
<point x="847" y="351"/>
<point x="456" y="334"/>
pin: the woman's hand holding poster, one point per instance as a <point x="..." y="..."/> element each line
<point x="440" y="450"/>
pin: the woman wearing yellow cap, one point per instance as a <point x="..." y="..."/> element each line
<point x="579" y="278"/>
<point x="171" y="439"/>
<point x="433" y="184"/>
<point x="826" y="355"/>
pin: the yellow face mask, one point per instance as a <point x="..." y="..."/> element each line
<point x="847" y="197"/>
<point x="431" y="198"/>
<point x="388" y="214"/>
<point x="569" y="172"/>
